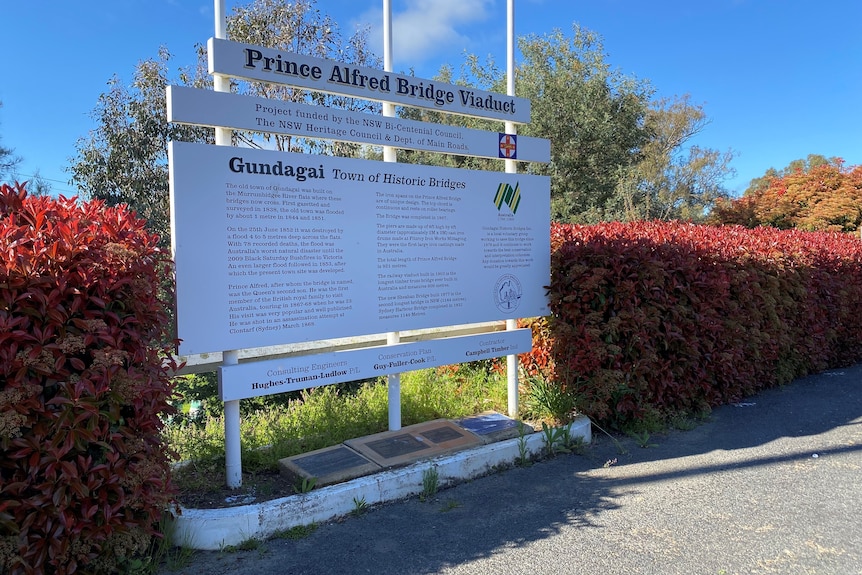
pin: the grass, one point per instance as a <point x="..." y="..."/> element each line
<point x="430" y="483"/>
<point x="162" y="552"/>
<point x="326" y="416"/>
<point x="360" y="506"/>
<point x="545" y="400"/>
<point x="250" y="544"/>
<point x="296" y="533"/>
<point x="306" y="485"/>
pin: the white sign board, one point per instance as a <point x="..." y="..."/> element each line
<point x="268" y="65"/>
<point x="274" y="248"/>
<point x="208" y="108"/>
<point x="291" y="374"/>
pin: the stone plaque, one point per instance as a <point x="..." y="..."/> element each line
<point x="409" y="444"/>
<point x="396" y="446"/>
<point x="331" y="460"/>
<point x="492" y="426"/>
<point x="442" y="434"/>
<point x="329" y="465"/>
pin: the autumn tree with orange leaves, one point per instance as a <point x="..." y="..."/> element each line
<point x="816" y="194"/>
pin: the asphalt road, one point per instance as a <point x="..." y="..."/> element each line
<point x="770" y="485"/>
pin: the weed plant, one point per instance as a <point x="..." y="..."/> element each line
<point x="295" y="533"/>
<point x="430" y="483"/>
<point x="546" y="400"/>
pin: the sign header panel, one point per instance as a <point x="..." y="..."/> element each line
<point x="274" y="248"/>
<point x="223" y="109"/>
<point x="291" y="69"/>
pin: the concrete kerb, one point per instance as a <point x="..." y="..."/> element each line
<point x="214" y="529"/>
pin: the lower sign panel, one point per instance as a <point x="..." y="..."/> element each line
<point x="268" y="377"/>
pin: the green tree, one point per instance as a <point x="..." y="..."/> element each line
<point x="38" y="186"/>
<point x="593" y="115"/>
<point x="615" y="153"/>
<point x="673" y="180"/>
<point x="124" y="160"/>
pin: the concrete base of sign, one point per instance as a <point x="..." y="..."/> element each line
<point x="213" y="529"/>
<point x="328" y="465"/>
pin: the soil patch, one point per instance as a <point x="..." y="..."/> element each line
<point x="206" y="488"/>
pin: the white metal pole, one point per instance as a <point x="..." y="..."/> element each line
<point x="232" y="444"/>
<point x="221" y="83"/>
<point x="388" y="108"/>
<point x="511" y="168"/>
<point x="393" y="380"/>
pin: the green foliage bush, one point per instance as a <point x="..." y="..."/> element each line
<point x="653" y="317"/>
<point x="84" y="365"/>
<point x="324" y="416"/>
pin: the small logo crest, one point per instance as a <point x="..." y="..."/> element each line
<point x="508" y="146"/>
<point x="507" y="293"/>
<point x="508" y="195"/>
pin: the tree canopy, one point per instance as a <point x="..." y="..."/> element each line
<point x="674" y="180"/>
<point x="616" y="154"/>
<point x="815" y="194"/>
<point x="124" y="159"/>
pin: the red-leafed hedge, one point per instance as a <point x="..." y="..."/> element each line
<point x="666" y="317"/>
<point x="84" y="375"/>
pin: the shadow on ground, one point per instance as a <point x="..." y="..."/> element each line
<point x="518" y="507"/>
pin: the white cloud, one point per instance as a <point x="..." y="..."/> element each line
<point x="422" y="29"/>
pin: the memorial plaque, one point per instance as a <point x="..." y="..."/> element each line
<point x="329" y="465"/>
<point x="442" y="434"/>
<point x="491" y="426"/>
<point x="415" y="442"/>
<point x="397" y="446"/>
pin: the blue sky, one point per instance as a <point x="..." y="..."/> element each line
<point x="778" y="79"/>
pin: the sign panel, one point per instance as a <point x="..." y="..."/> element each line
<point x="277" y="67"/>
<point x="223" y="109"/>
<point x="274" y="248"/>
<point x="291" y="374"/>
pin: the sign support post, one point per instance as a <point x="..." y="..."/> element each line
<point x="393" y="380"/>
<point x="511" y="168"/>
<point x="232" y="444"/>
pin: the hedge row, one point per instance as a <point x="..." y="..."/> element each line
<point x="84" y="365"/>
<point x="667" y="317"/>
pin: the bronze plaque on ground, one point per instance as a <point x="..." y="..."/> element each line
<point x="442" y="434"/>
<point x="329" y="465"/>
<point x="409" y="444"/>
<point x="491" y="426"/>
<point x="396" y="446"/>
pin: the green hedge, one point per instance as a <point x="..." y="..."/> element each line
<point x="84" y="472"/>
<point x="666" y="317"/>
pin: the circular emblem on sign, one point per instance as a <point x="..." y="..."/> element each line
<point x="507" y="293"/>
<point x="509" y="146"/>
